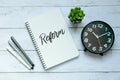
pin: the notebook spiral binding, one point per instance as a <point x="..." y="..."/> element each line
<point x="35" y="45"/>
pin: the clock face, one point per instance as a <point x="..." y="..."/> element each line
<point x="97" y="37"/>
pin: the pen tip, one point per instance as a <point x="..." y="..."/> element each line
<point x="32" y="66"/>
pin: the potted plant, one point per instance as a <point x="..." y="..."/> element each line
<point x="76" y="15"/>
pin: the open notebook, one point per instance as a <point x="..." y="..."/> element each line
<point x="51" y="38"/>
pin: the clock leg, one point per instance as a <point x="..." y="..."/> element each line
<point x="85" y="49"/>
<point x="101" y="54"/>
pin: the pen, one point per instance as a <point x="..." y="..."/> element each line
<point x="19" y="53"/>
<point x="18" y="58"/>
<point x="17" y="44"/>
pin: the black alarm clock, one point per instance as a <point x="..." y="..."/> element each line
<point x="97" y="37"/>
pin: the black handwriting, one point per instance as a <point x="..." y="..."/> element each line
<point x="52" y="35"/>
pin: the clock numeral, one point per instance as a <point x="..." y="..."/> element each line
<point x="94" y="26"/>
<point x="109" y="40"/>
<point x="89" y="29"/>
<point x="108" y="34"/>
<point x="85" y="34"/>
<point x="100" y="25"/>
<point x="94" y="48"/>
<point x="100" y="48"/>
<point x="106" y="29"/>
<point x="89" y="44"/>
<point x="105" y="45"/>
<point x="86" y="40"/>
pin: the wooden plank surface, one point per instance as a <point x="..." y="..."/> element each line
<point x="86" y="62"/>
<point x="60" y="76"/>
<point x="15" y="17"/>
<point x="60" y="3"/>
<point x="13" y="14"/>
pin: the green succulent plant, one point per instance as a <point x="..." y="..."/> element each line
<point x="76" y="15"/>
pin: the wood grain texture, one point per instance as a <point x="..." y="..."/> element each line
<point x="60" y="76"/>
<point x="86" y="62"/>
<point x="13" y="15"/>
<point x="60" y="3"/>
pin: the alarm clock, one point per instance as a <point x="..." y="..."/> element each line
<point x="97" y="37"/>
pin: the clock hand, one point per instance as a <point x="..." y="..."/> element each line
<point x="95" y="35"/>
<point x="99" y="42"/>
<point x="102" y="35"/>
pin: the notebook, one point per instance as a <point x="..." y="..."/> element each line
<point x="51" y="38"/>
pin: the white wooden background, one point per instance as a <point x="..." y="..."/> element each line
<point x="13" y="14"/>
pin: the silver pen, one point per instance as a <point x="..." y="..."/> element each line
<point x="18" y="58"/>
<point x="15" y="45"/>
<point x="23" y="52"/>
